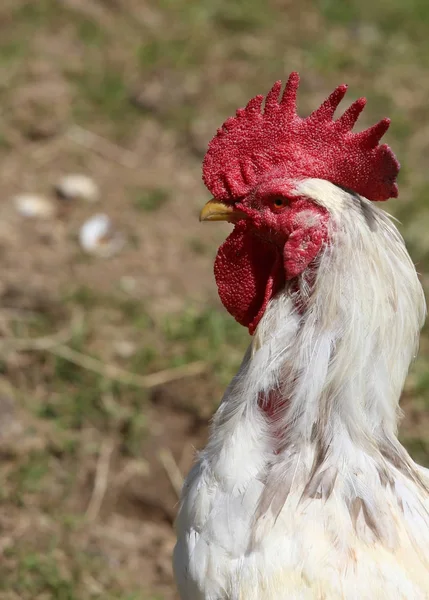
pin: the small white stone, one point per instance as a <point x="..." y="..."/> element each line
<point x="97" y="236"/>
<point x="77" y="187"/>
<point x="33" y="206"/>
<point x="124" y="349"/>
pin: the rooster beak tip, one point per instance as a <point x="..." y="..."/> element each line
<point x="215" y="210"/>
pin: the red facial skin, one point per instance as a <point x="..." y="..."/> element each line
<point x="277" y="240"/>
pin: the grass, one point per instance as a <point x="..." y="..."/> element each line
<point x="208" y="335"/>
<point x="31" y="473"/>
<point x="90" y="33"/>
<point x="40" y="574"/>
<point x="391" y="16"/>
<point x="81" y="399"/>
<point x="150" y="200"/>
<point x="198" y="246"/>
<point x="104" y="95"/>
<point x="178" y="53"/>
<point x="49" y="575"/>
<point x="242" y="16"/>
<point x="193" y="334"/>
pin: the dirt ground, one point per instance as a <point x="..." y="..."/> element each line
<point x="129" y="92"/>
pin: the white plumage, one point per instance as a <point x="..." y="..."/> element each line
<point x="320" y="500"/>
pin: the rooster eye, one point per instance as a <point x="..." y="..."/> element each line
<point x="279" y="202"/>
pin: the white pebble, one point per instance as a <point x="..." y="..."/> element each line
<point x="97" y="236"/>
<point x="77" y="187"/>
<point x="33" y="206"/>
<point x="125" y="349"/>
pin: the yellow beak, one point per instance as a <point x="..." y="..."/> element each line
<point x="215" y="210"/>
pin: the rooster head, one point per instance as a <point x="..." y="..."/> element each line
<point x="254" y="167"/>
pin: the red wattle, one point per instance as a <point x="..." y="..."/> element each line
<point x="248" y="272"/>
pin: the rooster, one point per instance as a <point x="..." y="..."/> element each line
<point x="304" y="491"/>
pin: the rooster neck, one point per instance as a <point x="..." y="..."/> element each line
<point x="318" y="390"/>
<point x="335" y="346"/>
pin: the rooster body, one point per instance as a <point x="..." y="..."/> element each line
<point x="304" y="491"/>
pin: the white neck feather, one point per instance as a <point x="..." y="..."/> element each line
<point x="345" y="358"/>
<point x="337" y="365"/>
<point x="341" y="360"/>
<point x="314" y="490"/>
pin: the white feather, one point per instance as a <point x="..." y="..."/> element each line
<point x="334" y="507"/>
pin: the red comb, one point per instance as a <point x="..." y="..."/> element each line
<point x="253" y="142"/>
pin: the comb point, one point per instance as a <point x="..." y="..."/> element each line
<point x="350" y="116"/>
<point x="326" y="110"/>
<point x="254" y="142"/>
<point x="288" y="99"/>
<point x="272" y="99"/>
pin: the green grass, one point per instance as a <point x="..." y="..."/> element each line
<point x="90" y="33"/>
<point x="194" y="334"/>
<point x="391" y="16"/>
<point x="208" y="335"/>
<point x="198" y="246"/>
<point x="150" y="200"/>
<point x="31" y="474"/>
<point x="38" y="574"/>
<point x="83" y="296"/>
<point x="179" y="53"/>
<point x="104" y="96"/>
<point x="81" y="398"/>
<point x="36" y="14"/>
<point x="12" y="50"/>
<point x="243" y="16"/>
<point x="62" y="573"/>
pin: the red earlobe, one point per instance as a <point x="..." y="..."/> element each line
<point x="302" y="247"/>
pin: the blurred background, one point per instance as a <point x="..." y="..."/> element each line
<point x="114" y="350"/>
